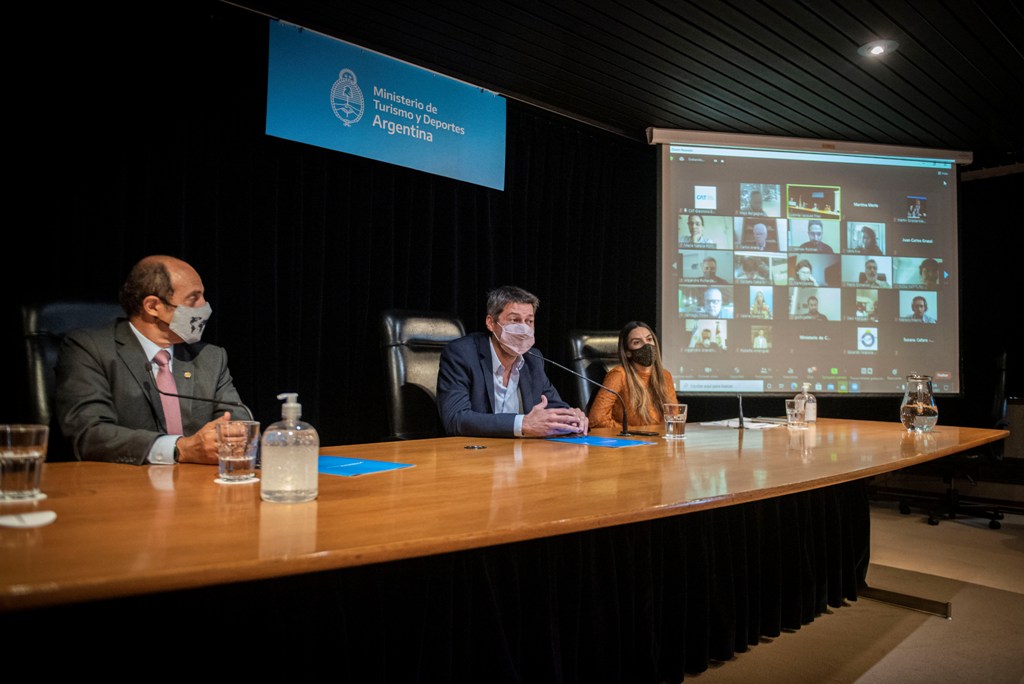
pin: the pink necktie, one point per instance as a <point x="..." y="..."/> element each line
<point x="165" y="381"/>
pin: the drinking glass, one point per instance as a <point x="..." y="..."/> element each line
<point x="675" y="421"/>
<point x="795" y="414"/>
<point x="22" y="452"/>
<point x="237" y="444"/>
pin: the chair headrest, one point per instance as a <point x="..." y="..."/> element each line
<point x="60" y="317"/>
<point x="592" y="344"/>
<point x="422" y="330"/>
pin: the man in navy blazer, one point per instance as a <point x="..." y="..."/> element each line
<point x="106" y="396"/>
<point x="494" y="385"/>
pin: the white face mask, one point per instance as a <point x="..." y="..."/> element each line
<point x="516" y="338"/>
<point x="188" y="322"/>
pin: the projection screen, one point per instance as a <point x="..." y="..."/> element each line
<point x="786" y="261"/>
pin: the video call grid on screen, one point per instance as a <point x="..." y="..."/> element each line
<point x="784" y="267"/>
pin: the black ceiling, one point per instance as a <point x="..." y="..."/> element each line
<point x="768" y="67"/>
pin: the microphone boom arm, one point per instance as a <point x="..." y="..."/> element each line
<point x="149" y="367"/>
<point x="625" y="429"/>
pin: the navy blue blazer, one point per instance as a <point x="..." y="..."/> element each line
<point x="465" y="389"/>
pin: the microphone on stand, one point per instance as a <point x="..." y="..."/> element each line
<point x="739" y="425"/>
<point x="149" y="371"/>
<point x="625" y="430"/>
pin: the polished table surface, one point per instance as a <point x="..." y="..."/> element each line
<point x="124" y="530"/>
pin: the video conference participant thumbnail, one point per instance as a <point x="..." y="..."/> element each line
<point x="814" y="304"/>
<point x="813" y="201"/>
<point x="760" y="199"/>
<point x="708" y="335"/>
<point x="760" y="234"/>
<point x="760" y="301"/>
<point x="863" y="303"/>
<point x="752" y="269"/>
<point x="814" y="270"/>
<point x="917" y="273"/>
<point x="706" y="302"/>
<point x="917" y="207"/>
<point x="704" y="197"/>
<point x="761" y="337"/>
<point x="917" y="307"/>
<point x="706" y="266"/>
<point x="813" y="235"/>
<point x="867" y="272"/>
<point x="703" y="231"/>
<point x="865" y="238"/>
<point x="803" y="273"/>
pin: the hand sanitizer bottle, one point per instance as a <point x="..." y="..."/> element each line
<point x="290" y="451"/>
<point x="809" y="402"/>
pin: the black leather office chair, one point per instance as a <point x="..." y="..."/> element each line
<point x="593" y="354"/>
<point x="968" y="467"/>
<point x="412" y="343"/>
<point x="44" y="326"/>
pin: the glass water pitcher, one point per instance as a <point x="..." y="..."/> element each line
<point x="918" y="411"/>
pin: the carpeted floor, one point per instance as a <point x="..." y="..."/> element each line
<point x="978" y="570"/>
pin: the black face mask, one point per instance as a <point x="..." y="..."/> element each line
<point x="644" y="356"/>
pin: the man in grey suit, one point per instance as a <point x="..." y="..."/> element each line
<point x="106" y="393"/>
<point x="493" y="385"/>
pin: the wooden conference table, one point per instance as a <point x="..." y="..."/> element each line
<point x="130" y="538"/>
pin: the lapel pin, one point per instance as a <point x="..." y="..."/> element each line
<point x="188" y="374"/>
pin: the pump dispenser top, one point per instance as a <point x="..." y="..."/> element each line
<point x="291" y="409"/>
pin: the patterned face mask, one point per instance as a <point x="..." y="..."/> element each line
<point x="189" y="322"/>
<point x="644" y="356"/>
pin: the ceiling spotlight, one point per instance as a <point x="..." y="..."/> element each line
<point x="878" y="47"/>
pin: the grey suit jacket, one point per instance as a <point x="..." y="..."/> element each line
<point x="465" y="389"/>
<point x="106" y="399"/>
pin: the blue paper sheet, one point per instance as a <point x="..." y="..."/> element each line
<point x="591" y="440"/>
<point x="350" y="467"/>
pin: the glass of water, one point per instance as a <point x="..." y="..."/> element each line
<point x="237" y="444"/>
<point x="22" y="452"/>
<point x="675" y="421"/>
<point x="795" y="417"/>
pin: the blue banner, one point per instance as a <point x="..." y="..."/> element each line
<point x="325" y="92"/>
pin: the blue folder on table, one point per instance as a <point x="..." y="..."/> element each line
<point x="591" y="440"/>
<point x="350" y="467"/>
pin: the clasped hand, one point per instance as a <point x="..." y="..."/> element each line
<point x="202" y="446"/>
<point x="543" y="422"/>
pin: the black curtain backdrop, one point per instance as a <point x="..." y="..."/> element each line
<point x="302" y="248"/>
<point x="150" y="139"/>
<point x="644" y="602"/>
